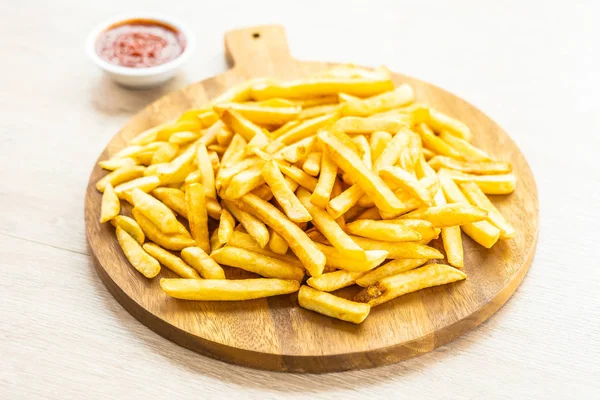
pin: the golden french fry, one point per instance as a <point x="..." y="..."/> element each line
<point x="165" y="153"/>
<point x="398" y="97"/>
<point x="168" y="130"/>
<point x="292" y="207"/>
<point x="391" y="154"/>
<point x="471" y="167"/>
<point x="254" y="226"/>
<point x="323" y="189"/>
<point x="483" y="232"/>
<point x="340" y="204"/>
<point x="428" y="154"/>
<point x="202" y="263"/>
<point x="362" y="125"/>
<point x="242" y="126"/>
<point x="155" y="211"/>
<point x="378" y="142"/>
<point x="349" y="161"/>
<point x="314" y="87"/>
<point x="406" y="182"/>
<point x="111" y="206"/>
<point x="315" y="101"/>
<point x="119" y="176"/>
<point x="332" y="306"/>
<point x="476" y="197"/>
<point x="312" y="164"/>
<point x="317" y="111"/>
<point x="297" y="151"/>
<point x="112" y="165"/>
<point x="391" y="268"/>
<point x="227" y="290"/>
<point x="299" y="176"/>
<point x="171" y="242"/>
<point x="178" y="169"/>
<point x="381" y="230"/>
<point x="227" y="173"/>
<point x="449" y="215"/>
<point x="275" y="102"/>
<point x="135" y="254"/>
<point x="305" y="129"/>
<point x="369" y="213"/>
<point x="489" y="184"/>
<point x="244" y="182"/>
<point x="340" y="260"/>
<point x="197" y="216"/>
<point x="277" y="244"/>
<point x="283" y="128"/>
<point x="364" y="149"/>
<point x="333" y="280"/>
<point x="464" y="148"/>
<point x="260" y="264"/>
<point x="183" y="137"/>
<point x="442" y="122"/>
<point x="407" y="282"/>
<point x="172" y="198"/>
<point x="425" y="228"/>
<point x="206" y="169"/>
<point x="130" y="226"/>
<point x="147" y="136"/>
<point x="225" y="229"/>
<point x="304" y="248"/>
<point x="234" y="152"/>
<point x="171" y="261"/>
<point x="452" y="239"/>
<point x="224" y="136"/>
<point x="245" y="241"/>
<point x="260" y="113"/>
<point x="436" y="144"/>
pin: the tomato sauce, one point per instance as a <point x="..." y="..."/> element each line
<point x="140" y="43"/>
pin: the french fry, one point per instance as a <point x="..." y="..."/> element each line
<point x="206" y="169"/>
<point x="476" y="197"/>
<point x="449" y="215"/>
<point x="224" y="136"/>
<point x="130" y="226"/>
<point x="378" y="142"/>
<point x="234" y="151"/>
<point x="227" y="290"/>
<point x="406" y="182"/>
<point x="452" y="239"/>
<point x="283" y="128"/>
<point x="428" y="154"/>
<point x="171" y="261"/>
<point x="321" y="87"/>
<point x="471" y="167"/>
<point x="349" y="161"/>
<point x="391" y="154"/>
<point x="111" y="206"/>
<point x="119" y="176"/>
<point x="339" y="259"/>
<point x="442" y="122"/>
<point x="179" y="168"/>
<point x="202" y="263"/>
<point x="332" y="306"/>
<point x="305" y="129"/>
<point x="369" y="213"/>
<point x="245" y="241"/>
<point x="244" y="182"/>
<point x="323" y="189"/>
<point x="155" y="211"/>
<point x="237" y="93"/>
<point x="381" y="230"/>
<point x="297" y="151"/>
<point x="277" y="244"/>
<point x="464" y="148"/>
<point x="398" y="97"/>
<point x="315" y="101"/>
<point x="391" y="268"/>
<point x="135" y="254"/>
<point x="489" y="184"/>
<point x="292" y="207"/>
<point x="240" y="125"/>
<point x="436" y="144"/>
<point x="165" y="153"/>
<point x="167" y="131"/>
<point x="260" y="264"/>
<point x="112" y="165"/>
<point x="483" y="232"/>
<point x="425" y="228"/>
<point x="225" y="229"/>
<point x="147" y="136"/>
<point x="255" y="227"/>
<point x="312" y="164"/>
<point x="172" y="242"/>
<point x="172" y="198"/>
<point x="407" y="282"/>
<point x="340" y="204"/>
<point x="299" y="176"/>
<point x="362" y="125"/>
<point x="304" y="248"/>
<point x="364" y="149"/>
<point x="316" y="111"/>
<point x="261" y="114"/>
<point x="333" y="280"/>
<point x="227" y="173"/>
<point x="197" y="216"/>
<point x="183" y="137"/>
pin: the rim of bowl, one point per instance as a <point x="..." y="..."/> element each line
<point x="190" y="45"/>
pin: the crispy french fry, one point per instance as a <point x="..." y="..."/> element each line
<point x="171" y="242"/>
<point x="183" y="137"/>
<point x="464" y="148"/>
<point x="165" y="153"/>
<point x="197" y="216"/>
<point x="168" y="130"/>
<point x="436" y="144"/>
<point x="172" y="198"/>
<point x="333" y="280"/>
<point x="315" y="101"/>
<point x="304" y="248"/>
<point x="332" y="306"/>
<point x="147" y="136"/>
<point x="305" y="129"/>
<point x="381" y="230"/>
<point x="451" y="236"/>
<point x="316" y="111"/>
<point x="225" y="229"/>
<point x="349" y="161"/>
<point x="238" y="124"/>
<point x="155" y="211"/>
<point x="378" y="142"/>
<point x="170" y="261"/>
<point x="476" y="197"/>
<point x="260" y="264"/>
<point x="407" y="282"/>
<point x="141" y="261"/>
<point x="234" y="151"/>
<point x="312" y="164"/>
<point x="227" y="290"/>
<point x="206" y="169"/>
<point x="119" y="176"/>
<point x="323" y="189"/>
<point x="227" y="173"/>
<point x="244" y="182"/>
<point x="425" y="228"/>
<point x="245" y="241"/>
<point x="339" y="259"/>
<point x="255" y="227"/>
<point x="364" y="149"/>
<point x="362" y="125"/>
<point x="393" y="267"/>
<point x="369" y="213"/>
<point x="292" y="207"/>
<point x="299" y="176"/>
<point x="340" y="204"/>
<point x="398" y="97"/>
<point x="314" y="87"/>
<point x="130" y="226"/>
<point x="277" y="244"/>
<point x="224" y="136"/>
<point x="260" y="113"/>
<point x="449" y="215"/>
<point x="111" y="206"/>
<point x="471" y="167"/>
<point x="406" y="182"/>
<point x="391" y="154"/>
<point x="442" y="122"/>
<point x="202" y="263"/>
<point x="297" y="151"/>
<point x="489" y="184"/>
<point x="112" y="165"/>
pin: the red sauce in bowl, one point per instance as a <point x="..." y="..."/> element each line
<point x="140" y="43"/>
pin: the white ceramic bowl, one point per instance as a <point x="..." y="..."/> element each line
<point x="141" y="77"/>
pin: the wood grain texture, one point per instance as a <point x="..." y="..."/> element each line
<point x="274" y="333"/>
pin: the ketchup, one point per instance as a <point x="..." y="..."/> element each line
<point x="140" y="43"/>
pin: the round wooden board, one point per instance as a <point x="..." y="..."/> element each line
<point x="275" y="333"/>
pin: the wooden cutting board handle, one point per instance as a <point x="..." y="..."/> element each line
<point x="260" y="51"/>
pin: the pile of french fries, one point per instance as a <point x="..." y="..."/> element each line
<point x="340" y="178"/>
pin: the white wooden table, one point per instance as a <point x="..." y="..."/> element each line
<point x="532" y="66"/>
